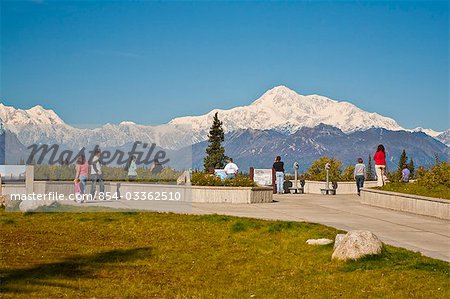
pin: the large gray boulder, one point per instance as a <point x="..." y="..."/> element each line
<point x="338" y="240"/>
<point x="356" y="244"/>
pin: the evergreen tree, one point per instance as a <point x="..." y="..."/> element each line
<point x="411" y="167"/>
<point x="403" y="160"/>
<point x="369" y="172"/>
<point x="215" y="153"/>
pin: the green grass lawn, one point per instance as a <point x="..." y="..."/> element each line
<point x="142" y="255"/>
<point x="440" y="191"/>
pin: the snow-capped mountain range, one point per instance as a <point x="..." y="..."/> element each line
<point x="38" y="125"/>
<point x="283" y="109"/>
<point x="280" y="109"/>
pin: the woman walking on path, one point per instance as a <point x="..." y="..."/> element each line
<point x="81" y="172"/>
<point x="132" y="169"/>
<point x="380" y="164"/>
<point x="279" y="174"/>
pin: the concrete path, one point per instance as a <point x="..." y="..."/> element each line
<point x="430" y="236"/>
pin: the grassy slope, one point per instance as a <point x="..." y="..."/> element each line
<point x="166" y="255"/>
<point x="440" y="191"/>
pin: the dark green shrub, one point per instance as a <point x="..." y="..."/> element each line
<point x="436" y="175"/>
<point x="317" y="171"/>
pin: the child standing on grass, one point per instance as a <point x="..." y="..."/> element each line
<point x="360" y="175"/>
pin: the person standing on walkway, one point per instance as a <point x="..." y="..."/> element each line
<point x="81" y="172"/>
<point x="96" y="174"/>
<point x="278" y="166"/>
<point x="380" y="165"/>
<point x="231" y="169"/>
<point x="360" y="175"/>
<point x="132" y="169"/>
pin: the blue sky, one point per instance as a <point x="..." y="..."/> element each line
<point x="95" y="61"/>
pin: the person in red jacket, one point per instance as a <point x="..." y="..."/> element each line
<point x="380" y="164"/>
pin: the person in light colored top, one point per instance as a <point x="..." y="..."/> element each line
<point x="81" y="172"/>
<point x="380" y="165"/>
<point x="132" y="169"/>
<point x="359" y="175"/>
<point x="405" y="174"/>
<point x="96" y="173"/>
<point x="231" y="169"/>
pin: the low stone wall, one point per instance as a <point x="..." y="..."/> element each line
<point x="415" y="204"/>
<point x="8" y="189"/>
<point x="206" y="194"/>
<point x="232" y="194"/>
<point x="314" y="187"/>
<point x="129" y="190"/>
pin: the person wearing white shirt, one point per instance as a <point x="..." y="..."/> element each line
<point x="231" y="169"/>
<point x="359" y="175"/>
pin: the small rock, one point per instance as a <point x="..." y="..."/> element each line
<point x="322" y="241"/>
<point x="338" y="240"/>
<point x="356" y="244"/>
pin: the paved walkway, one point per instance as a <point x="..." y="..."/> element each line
<point x="430" y="236"/>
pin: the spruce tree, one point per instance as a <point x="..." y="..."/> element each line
<point x="369" y="173"/>
<point x="215" y="153"/>
<point x="411" y="167"/>
<point x="403" y="160"/>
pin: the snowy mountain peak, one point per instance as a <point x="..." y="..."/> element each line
<point x="36" y="115"/>
<point x="127" y="123"/>
<point x="280" y="90"/>
<point x="283" y="109"/>
<point x="444" y="137"/>
<point x="280" y="94"/>
<point x="429" y="132"/>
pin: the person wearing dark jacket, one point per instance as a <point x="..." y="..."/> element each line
<point x="279" y="174"/>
